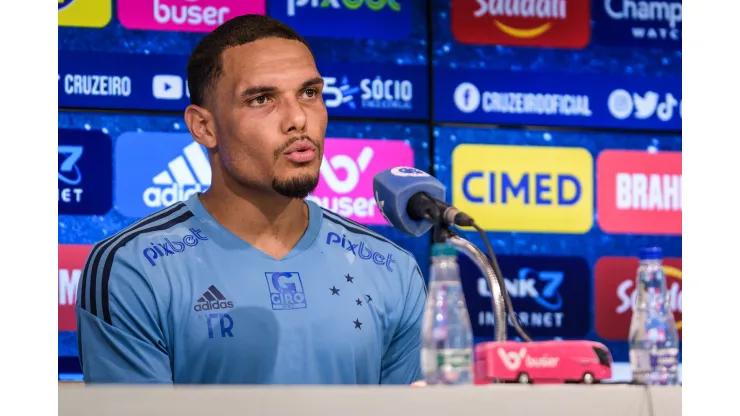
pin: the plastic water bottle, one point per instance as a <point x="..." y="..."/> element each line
<point x="653" y="338"/>
<point x="447" y="334"/>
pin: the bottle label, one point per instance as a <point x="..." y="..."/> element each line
<point x="446" y="360"/>
<point x="640" y="361"/>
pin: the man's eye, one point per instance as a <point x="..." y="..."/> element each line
<point x="260" y="100"/>
<point x="311" y="92"/>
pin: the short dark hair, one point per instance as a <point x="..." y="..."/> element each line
<point x="204" y="65"/>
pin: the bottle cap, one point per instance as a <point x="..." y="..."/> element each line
<point x="651" y="253"/>
<point x="441" y="249"/>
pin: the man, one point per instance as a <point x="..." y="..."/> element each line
<point x="248" y="282"/>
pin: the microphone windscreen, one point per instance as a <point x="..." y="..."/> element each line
<point x="394" y="187"/>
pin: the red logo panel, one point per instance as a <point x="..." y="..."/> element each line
<point x="71" y="262"/>
<point x="614" y="285"/>
<point x="639" y="192"/>
<point x="540" y="23"/>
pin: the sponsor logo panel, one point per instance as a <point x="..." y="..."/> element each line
<point x="157" y="170"/>
<point x="354" y="19"/>
<point x="183" y="15"/>
<point x="71" y="262"/>
<point x="549" y="294"/>
<point x="639" y="192"/>
<point x="614" y="294"/>
<point x="537" y="23"/>
<point x="347" y="171"/>
<point x="85" y="172"/>
<point x="524" y="188"/>
<point x="654" y="24"/>
<point x="85" y="13"/>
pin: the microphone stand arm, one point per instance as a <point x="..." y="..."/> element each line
<point x="442" y="234"/>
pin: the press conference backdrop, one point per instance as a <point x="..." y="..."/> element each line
<point x="555" y="123"/>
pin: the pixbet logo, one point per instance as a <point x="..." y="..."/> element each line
<point x="377" y="93"/>
<point x="286" y="290"/>
<point x="347" y="170"/>
<point x="361" y="250"/>
<point x="170" y="248"/>
<point x="373" y="5"/>
<point x="623" y="105"/>
<point x="184" y="15"/>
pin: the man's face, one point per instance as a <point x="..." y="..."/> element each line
<point x="270" y="116"/>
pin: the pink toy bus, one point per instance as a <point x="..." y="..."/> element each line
<point x="542" y="362"/>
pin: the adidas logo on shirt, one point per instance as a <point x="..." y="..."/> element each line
<point x="185" y="176"/>
<point x="212" y="299"/>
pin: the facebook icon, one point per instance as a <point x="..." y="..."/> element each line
<point x="467" y="97"/>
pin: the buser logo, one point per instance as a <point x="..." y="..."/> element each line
<point x="347" y="201"/>
<point x="351" y="167"/>
<point x="532" y="189"/>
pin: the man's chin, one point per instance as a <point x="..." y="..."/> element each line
<point x="296" y="186"/>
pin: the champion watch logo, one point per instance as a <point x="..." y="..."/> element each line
<point x="212" y="299"/>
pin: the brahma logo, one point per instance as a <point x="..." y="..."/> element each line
<point x="542" y="23"/>
<point x="72" y="259"/>
<point x="639" y="192"/>
<point x="524" y="188"/>
<point x="347" y="170"/>
<point x="614" y="284"/>
<point x="184" y="15"/>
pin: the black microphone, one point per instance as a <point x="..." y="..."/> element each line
<point x="421" y="206"/>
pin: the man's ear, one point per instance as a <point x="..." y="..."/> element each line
<point x="201" y="125"/>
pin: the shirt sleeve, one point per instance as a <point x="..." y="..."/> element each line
<point x="401" y="362"/>
<point x="119" y="338"/>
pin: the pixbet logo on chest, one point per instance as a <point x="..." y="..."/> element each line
<point x="170" y="248"/>
<point x="361" y="250"/>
